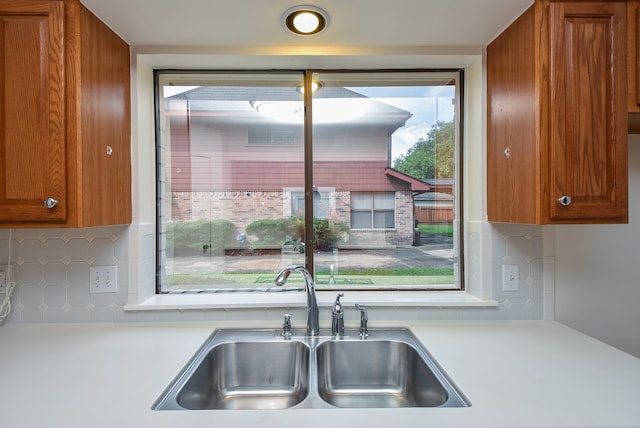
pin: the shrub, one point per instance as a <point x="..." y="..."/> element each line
<point x="189" y="238"/>
<point x="273" y="233"/>
<point x="327" y="234"/>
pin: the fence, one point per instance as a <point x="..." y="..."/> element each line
<point x="434" y="215"/>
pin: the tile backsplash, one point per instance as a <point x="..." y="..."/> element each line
<point x="51" y="271"/>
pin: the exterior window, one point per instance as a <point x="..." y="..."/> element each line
<point x="276" y="135"/>
<point x="373" y="210"/>
<point x="322" y="204"/>
<point x="359" y="181"/>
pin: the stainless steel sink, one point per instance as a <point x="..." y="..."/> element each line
<point x="378" y="373"/>
<point x="242" y="370"/>
<point x="259" y="369"/>
<point x="248" y="375"/>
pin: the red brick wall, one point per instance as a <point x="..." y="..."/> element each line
<point x="242" y="208"/>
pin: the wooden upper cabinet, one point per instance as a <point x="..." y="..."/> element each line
<point x="32" y="112"/>
<point x="64" y="117"/>
<point x="633" y="70"/>
<point x="557" y="116"/>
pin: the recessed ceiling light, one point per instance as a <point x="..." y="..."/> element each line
<point x="305" y="20"/>
<point x="315" y="85"/>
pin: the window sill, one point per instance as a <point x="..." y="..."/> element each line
<point x="297" y="299"/>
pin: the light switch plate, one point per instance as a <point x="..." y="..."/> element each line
<point x="103" y="279"/>
<point x="510" y="278"/>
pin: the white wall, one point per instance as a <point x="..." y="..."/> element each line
<point x="597" y="272"/>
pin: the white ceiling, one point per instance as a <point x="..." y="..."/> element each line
<point x="356" y="27"/>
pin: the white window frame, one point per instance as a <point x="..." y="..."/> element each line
<point x="141" y="233"/>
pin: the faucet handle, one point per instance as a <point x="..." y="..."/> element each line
<point x="286" y="326"/>
<point x="337" y="317"/>
<point x="336" y="309"/>
<point x="364" y="319"/>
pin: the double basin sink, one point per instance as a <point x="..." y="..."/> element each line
<point x="246" y="369"/>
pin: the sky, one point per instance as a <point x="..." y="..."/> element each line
<point x="427" y="104"/>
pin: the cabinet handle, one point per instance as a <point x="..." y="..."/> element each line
<point x="50" y="203"/>
<point x="565" y="200"/>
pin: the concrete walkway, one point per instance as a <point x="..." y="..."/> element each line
<point x="429" y="255"/>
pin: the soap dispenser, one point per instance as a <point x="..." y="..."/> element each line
<point x="337" y="317"/>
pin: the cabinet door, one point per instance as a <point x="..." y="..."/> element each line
<point x="32" y="111"/>
<point x="633" y="72"/>
<point x="588" y="120"/>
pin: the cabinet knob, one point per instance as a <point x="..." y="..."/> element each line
<point x="565" y="200"/>
<point x="50" y="203"/>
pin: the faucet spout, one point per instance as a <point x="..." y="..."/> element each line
<point x="313" y="324"/>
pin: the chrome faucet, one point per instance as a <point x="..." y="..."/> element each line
<point x="337" y="317"/>
<point x="364" y="319"/>
<point x="286" y="326"/>
<point x="313" y="327"/>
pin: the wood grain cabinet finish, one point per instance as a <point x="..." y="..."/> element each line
<point x="633" y="71"/>
<point x="64" y="117"/>
<point x="557" y="115"/>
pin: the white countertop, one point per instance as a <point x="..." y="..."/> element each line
<point x="515" y="373"/>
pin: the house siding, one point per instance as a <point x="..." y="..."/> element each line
<point x="353" y="176"/>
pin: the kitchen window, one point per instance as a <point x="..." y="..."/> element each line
<point x="254" y="173"/>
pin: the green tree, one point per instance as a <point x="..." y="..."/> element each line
<point x="431" y="157"/>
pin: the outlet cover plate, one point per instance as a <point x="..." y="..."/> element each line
<point x="103" y="279"/>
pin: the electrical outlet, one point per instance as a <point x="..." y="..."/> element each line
<point x="510" y="278"/>
<point x="5" y="277"/>
<point x="103" y="279"/>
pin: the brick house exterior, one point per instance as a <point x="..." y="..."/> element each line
<point x="218" y="171"/>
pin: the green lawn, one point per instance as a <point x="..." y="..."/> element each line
<point x="437" y="229"/>
<point x="379" y="277"/>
